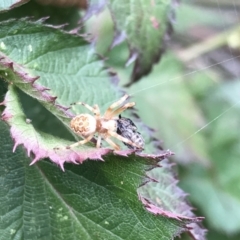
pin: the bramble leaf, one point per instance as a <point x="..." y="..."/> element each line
<point x="94" y="200"/>
<point x="34" y="58"/>
<point x="168" y="199"/>
<point x="48" y="58"/>
<point x="42" y="67"/>
<point x="42" y="144"/>
<point x="144" y="24"/>
<point x="32" y="50"/>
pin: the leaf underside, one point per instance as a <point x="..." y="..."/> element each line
<point x="166" y="197"/>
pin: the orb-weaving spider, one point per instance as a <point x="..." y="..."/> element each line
<point x="105" y="126"/>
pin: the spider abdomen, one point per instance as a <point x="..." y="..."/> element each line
<point x="83" y="124"/>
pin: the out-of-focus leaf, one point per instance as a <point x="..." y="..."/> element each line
<point x="213" y="235"/>
<point x="220" y="183"/>
<point x="145" y="25"/>
<point x="93" y="201"/>
<point x="164" y="103"/>
<point x="199" y="16"/>
<point x="94" y="7"/>
<point x="101" y="28"/>
<point x="9" y="4"/>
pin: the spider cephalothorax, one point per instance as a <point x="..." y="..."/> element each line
<point x="106" y="126"/>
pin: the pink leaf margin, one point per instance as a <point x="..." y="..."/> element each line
<point x="37" y="91"/>
<point x="182" y="210"/>
<point x="159" y="211"/>
<point x="194" y="230"/>
<point x="42" y="145"/>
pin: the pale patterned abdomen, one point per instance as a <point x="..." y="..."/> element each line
<point x="83" y="124"/>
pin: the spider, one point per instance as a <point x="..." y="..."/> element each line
<point x="87" y="125"/>
<point x="126" y="128"/>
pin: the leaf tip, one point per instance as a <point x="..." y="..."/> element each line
<point x="43" y="19"/>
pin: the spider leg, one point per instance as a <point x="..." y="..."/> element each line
<point x="80" y="142"/>
<point x="99" y="141"/>
<point x="94" y="109"/>
<point x="113" y="144"/>
<point x="123" y="139"/>
<point x="121" y="109"/>
<point x="114" y="105"/>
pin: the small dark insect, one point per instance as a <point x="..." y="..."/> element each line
<point x="127" y="129"/>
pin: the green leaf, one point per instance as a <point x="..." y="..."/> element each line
<point x="199" y="17"/>
<point x="219" y="183"/>
<point x="93" y="201"/>
<point x="97" y="200"/>
<point x="9" y="4"/>
<point x="67" y="16"/>
<point x="58" y="58"/>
